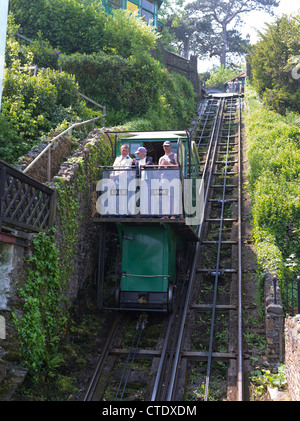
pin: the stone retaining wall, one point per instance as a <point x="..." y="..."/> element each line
<point x="59" y="152"/>
<point x="16" y="245"/>
<point x="13" y="249"/>
<point x="274" y="322"/>
<point x="178" y="64"/>
<point x="85" y="259"/>
<point x="292" y="356"/>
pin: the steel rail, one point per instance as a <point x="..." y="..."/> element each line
<point x="240" y="286"/>
<point x="215" y="132"/>
<point x="207" y="380"/>
<point x="99" y="367"/>
<point x="162" y="358"/>
<point x="171" y="322"/>
<point x="210" y="105"/>
<point x="210" y="145"/>
<point x="140" y="326"/>
<point x="201" y="110"/>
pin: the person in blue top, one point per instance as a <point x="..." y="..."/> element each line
<point x="143" y="159"/>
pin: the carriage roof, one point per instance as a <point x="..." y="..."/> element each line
<point x="156" y="136"/>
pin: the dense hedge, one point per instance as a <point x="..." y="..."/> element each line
<point x="133" y="87"/>
<point x="274" y="158"/>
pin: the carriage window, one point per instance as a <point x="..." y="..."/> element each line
<point x="133" y="147"/>
<point x="148" y="5"/>
<point x="147" y="15"/>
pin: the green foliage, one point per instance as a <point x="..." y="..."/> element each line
<point x="69" y="25"/>
<point x="33" y="106"/>
<point x="274" y="158"/>
<point x="133" y="87"/>
<point x="261" y="379"/>
<point x="44" y="55"/>
<point x="15" y="54"/>
<point x="43" y="320"/>
<point x="272" y="60"/>
<point x="118" y="72"/>
<point x="126" y="34"/>
<point x="177" y="102"/>
<point x="219" y="76"/>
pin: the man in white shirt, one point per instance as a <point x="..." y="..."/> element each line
<point x="124" y="160"/>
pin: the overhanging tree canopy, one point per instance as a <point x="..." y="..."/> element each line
<point x="220" y="14"/>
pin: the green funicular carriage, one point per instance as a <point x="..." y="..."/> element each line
<point x="157" y="211"/>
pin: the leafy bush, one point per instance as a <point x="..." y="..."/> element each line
<point x="33" y="106"/>
<point x="219" y="76"/>
<point x="127" y="35"/>
<point x="69" y="25"/>
<point x="118" y="72"/>
<point x="261" y="379"/>
<point x="274" y="158"/>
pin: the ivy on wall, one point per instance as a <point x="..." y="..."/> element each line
<point x="44" y="317"/>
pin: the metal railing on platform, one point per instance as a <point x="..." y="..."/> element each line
<point x="52" y="142"/>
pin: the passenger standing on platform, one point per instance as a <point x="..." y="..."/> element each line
<point x="237" y="85"/>
<point x="143" y="159"/>
<point x="169" y="158"/>
<point x="142" y="162"/>
<point x="124" y="160"/>
<point x="230" y="86"/>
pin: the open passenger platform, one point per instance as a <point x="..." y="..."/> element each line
<point x="156" y="209"/>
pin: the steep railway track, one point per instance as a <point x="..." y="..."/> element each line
<point x="189" y="339"/>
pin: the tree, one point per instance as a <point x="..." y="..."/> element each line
<point x="222" y="13"/>
<point x="275" y="66"/>
<point x="190" y="33"/>
<point x="219" y="76"/>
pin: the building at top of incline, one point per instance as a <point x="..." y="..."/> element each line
<point x="145" y="8"/>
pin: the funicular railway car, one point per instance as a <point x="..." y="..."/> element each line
<point x="157" y="209"/>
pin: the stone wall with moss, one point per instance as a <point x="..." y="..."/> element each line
<point x="44" y="272"/>
<point x="76" y="235"/>
<point x="292" y="356"/>
<point x="13" y="250"/>
<point x="274" y="321"/>
<point x="59" y="152"/>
